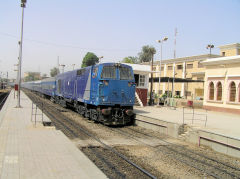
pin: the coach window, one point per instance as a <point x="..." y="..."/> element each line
<point x="81" y="72"/>
<point x="232" y="92"/>
<point x="108" y="72"/>
<point x="219" y="91"/>
<point x="211" y="91"/>
<point x="59" y="86"/>
<point x="95" y="71"/>
<point x="125" y="73"/>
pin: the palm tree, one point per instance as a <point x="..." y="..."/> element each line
<point x="147" y="53"/>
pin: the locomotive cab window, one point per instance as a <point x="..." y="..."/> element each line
<point x="80" y="72"/>
<point x="125" y="73"/>
<point x="95" y="72"/>
<point x="108" y="72"/>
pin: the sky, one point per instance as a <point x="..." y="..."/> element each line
<point x="114" y="29"/>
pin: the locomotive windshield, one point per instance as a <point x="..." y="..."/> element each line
<point x="109" y="72"/>
<point x="125" y="73"/>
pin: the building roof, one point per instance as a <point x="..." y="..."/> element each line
<point x="139" y="67"/>
<point x="229" y="46"/>
<point x="176" y="80"/>
<point x="222" y="60"/>
<point x="185" y="59"/>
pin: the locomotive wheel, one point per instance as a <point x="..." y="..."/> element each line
<point x="87" y="113"/>
<point x="94" y="114"/>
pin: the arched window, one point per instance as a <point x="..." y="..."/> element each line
<point x="239" y="92"/>
<point x="211" y="91"/>
<point x="232" y="91"/>
<point x="219" y="91"/>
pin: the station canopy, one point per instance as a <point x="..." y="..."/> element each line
<point x="175" y="80"/>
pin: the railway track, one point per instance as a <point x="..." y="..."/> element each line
<point x="108" y="160"/>
<point x="111" y="161"/>
<point x="210" y="166"/>
<point x="3" y="98"/>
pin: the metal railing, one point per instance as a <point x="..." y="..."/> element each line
<point x="194" y="116"/>
<point x="170" y="102"/>
<point x="35" y="107"/>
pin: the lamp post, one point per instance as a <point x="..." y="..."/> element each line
<point x="160" y="65"/>
<point x="100" y="58"/>
<point x="73" y="65"/>
<point x="23" y="5"/>
<point x="210" y="46"/>
<point x="62" y="68"/>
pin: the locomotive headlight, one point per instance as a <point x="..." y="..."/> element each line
<point x="131" y="84"/>
<point x="104" y="98"/>
<point x="105" y="82"/>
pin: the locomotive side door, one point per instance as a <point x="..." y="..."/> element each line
<point x="94" y="86"/>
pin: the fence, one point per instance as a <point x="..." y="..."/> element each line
<point x="35" y="110"/>
<point x="194" y="115"/>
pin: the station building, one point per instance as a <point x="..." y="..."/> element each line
<point x="141" y="75"/>
<point x="222" y="80"/>
<point x="189" y="70"/>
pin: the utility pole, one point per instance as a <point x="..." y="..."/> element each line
<point x="175" y="43"/>
<point x="73" y="65"/>
<point x="174" y="65"/>
<point x="23" y="5"/>
<point x="160" y="66"/>
<point x="7" y="78"/>
<point x="62" y="67"/>
<point x="210" y="46"/>
<point x="100" y="59"/>
<point x="151" y="87"/>
<point x="58" y="64"/>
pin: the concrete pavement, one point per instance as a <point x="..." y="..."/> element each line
<point x="27" y="151"/>
<point x="217" y="122"/>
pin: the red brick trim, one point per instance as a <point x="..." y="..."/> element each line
<point x="220" y="109"/>
<point x="142" y="93"/>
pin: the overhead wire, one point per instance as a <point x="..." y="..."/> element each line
<point x="63" y="45"/>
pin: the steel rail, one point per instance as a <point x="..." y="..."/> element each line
<point x="202" y="162"/>
<point x="4" y="99"/>
<point x="201" y="155"/>
<point x="114" y="151"/>
<point x="111" y="149"/>
<point x="59" y="122"/>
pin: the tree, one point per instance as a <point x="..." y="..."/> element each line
<point x="130" y="59"/>
<point x="90" y="59"/>
<point x="32" y="76"/>
<point x="44" y="76"/>
<point x="147" y="53"/>
<point x="54" y="71"/>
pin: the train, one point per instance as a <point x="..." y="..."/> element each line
<point x="103" y="92"/>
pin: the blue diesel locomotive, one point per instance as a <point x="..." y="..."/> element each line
<point x="103" y="92"/>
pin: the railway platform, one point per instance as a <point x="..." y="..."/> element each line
<point x="217" y="130"/>
<point x="29" y="150"/>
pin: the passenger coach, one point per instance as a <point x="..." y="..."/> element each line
<point x="103" y="92"/>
